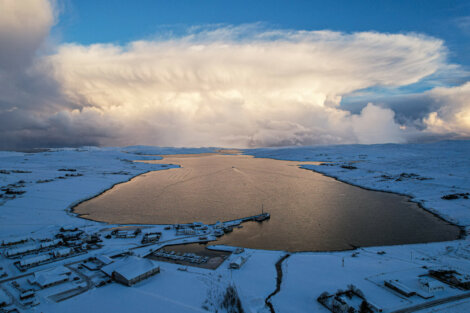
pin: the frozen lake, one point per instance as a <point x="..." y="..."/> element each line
<point x="309" y="211"/>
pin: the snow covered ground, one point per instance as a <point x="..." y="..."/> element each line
<point x="55" y="180"/>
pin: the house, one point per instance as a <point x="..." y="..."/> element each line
<point x="52" y="243"/>
<point x="396" y="285"/>
<point x="27" y="294"/>
<point x="14" y="241"/>
<point x="63" y="252"/>
<point x="68" y="228"/>
<point x="431" y="285"/>
<point x="339" y="305"/>
<point x="452" y="277"/>
<point x="199" y="226"/>
<point x="20" y="250"/>
<point x="350" y="300"/>
<point x="410" y="288"/>
<point x="50" y="277"/>
<point x="70" y="235"/>
<point x="125" y="234"/>
<point x="185" y="231"/>
<point x="35" y="260"/>
<point x="104" y="260"/>
<point x="151" y="237"/>
<point x="237" y="263"/>
<point x="131" y="270"/>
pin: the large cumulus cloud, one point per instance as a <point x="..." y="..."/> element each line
<point x="264" y="89"/>
<point x="225" y="86"/>
<point x="453" y="113"/>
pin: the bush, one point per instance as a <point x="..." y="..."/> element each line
<point x="231" y="300"/>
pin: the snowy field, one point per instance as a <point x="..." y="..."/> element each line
<point x="38" y="190"/>
<point x="50" y="189"/>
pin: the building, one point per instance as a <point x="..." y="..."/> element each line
<point x="70" y="235"/>
<point x="237" y="263"/>
<point x="14" y="241"/>
<point x="27" y="294"/>
<point x="151" y="237"/>
<point x="185" y="232"/>
<point x="35" y="260"/>
<point x="68" y="228"/>
<point x="50" y="277"/>
<point x="131" y="270"/>
<point x="452" y="277"/>
<point x="411" y="289"/>
<point x="200" y="226"/>
<point x="52" y="243"/>
<point x="397" y="286"/>
<point x="63" y="252"/>
<point x="339" y="305"/>
<point x="20" y="250"/>
<point x="431" y="285"/>
<point x="125" y="234"/>
<point x="104" y="260"/>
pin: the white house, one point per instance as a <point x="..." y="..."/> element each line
<point x="431" y="285"/>
<point x="237" y="263"/>
<point x="51" y="277"/>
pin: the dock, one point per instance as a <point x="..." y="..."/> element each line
<point x="256" y="218"/>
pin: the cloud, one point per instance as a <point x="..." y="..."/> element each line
<point x="463" y="23"/>
<point x="453" y="115"/>
<point x="33" y="109"/>
<point x="23" y="27"/>
<point x="217" y="87"/>
<point x="241" y="86"/>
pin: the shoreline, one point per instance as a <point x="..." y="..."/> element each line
<point x="463" y="233"/>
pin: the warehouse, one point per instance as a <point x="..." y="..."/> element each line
<point x="131" y="270"/>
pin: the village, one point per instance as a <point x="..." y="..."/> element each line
<point x="75" y="260"/>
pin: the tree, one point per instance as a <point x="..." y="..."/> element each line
<point x="231" y="301"/>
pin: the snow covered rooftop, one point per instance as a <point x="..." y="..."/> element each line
<point x="51" y="276"/>
<point x="104" y="259"/>
<point x="130" y="267"/>
<point x="14" y="240"/>
<point x="20" y="250"/>
<point x="35" y="259"/>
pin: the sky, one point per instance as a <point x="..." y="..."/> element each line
<point x="232" y="73"/>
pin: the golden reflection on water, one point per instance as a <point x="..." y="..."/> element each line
<point x="309" y="211"/>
